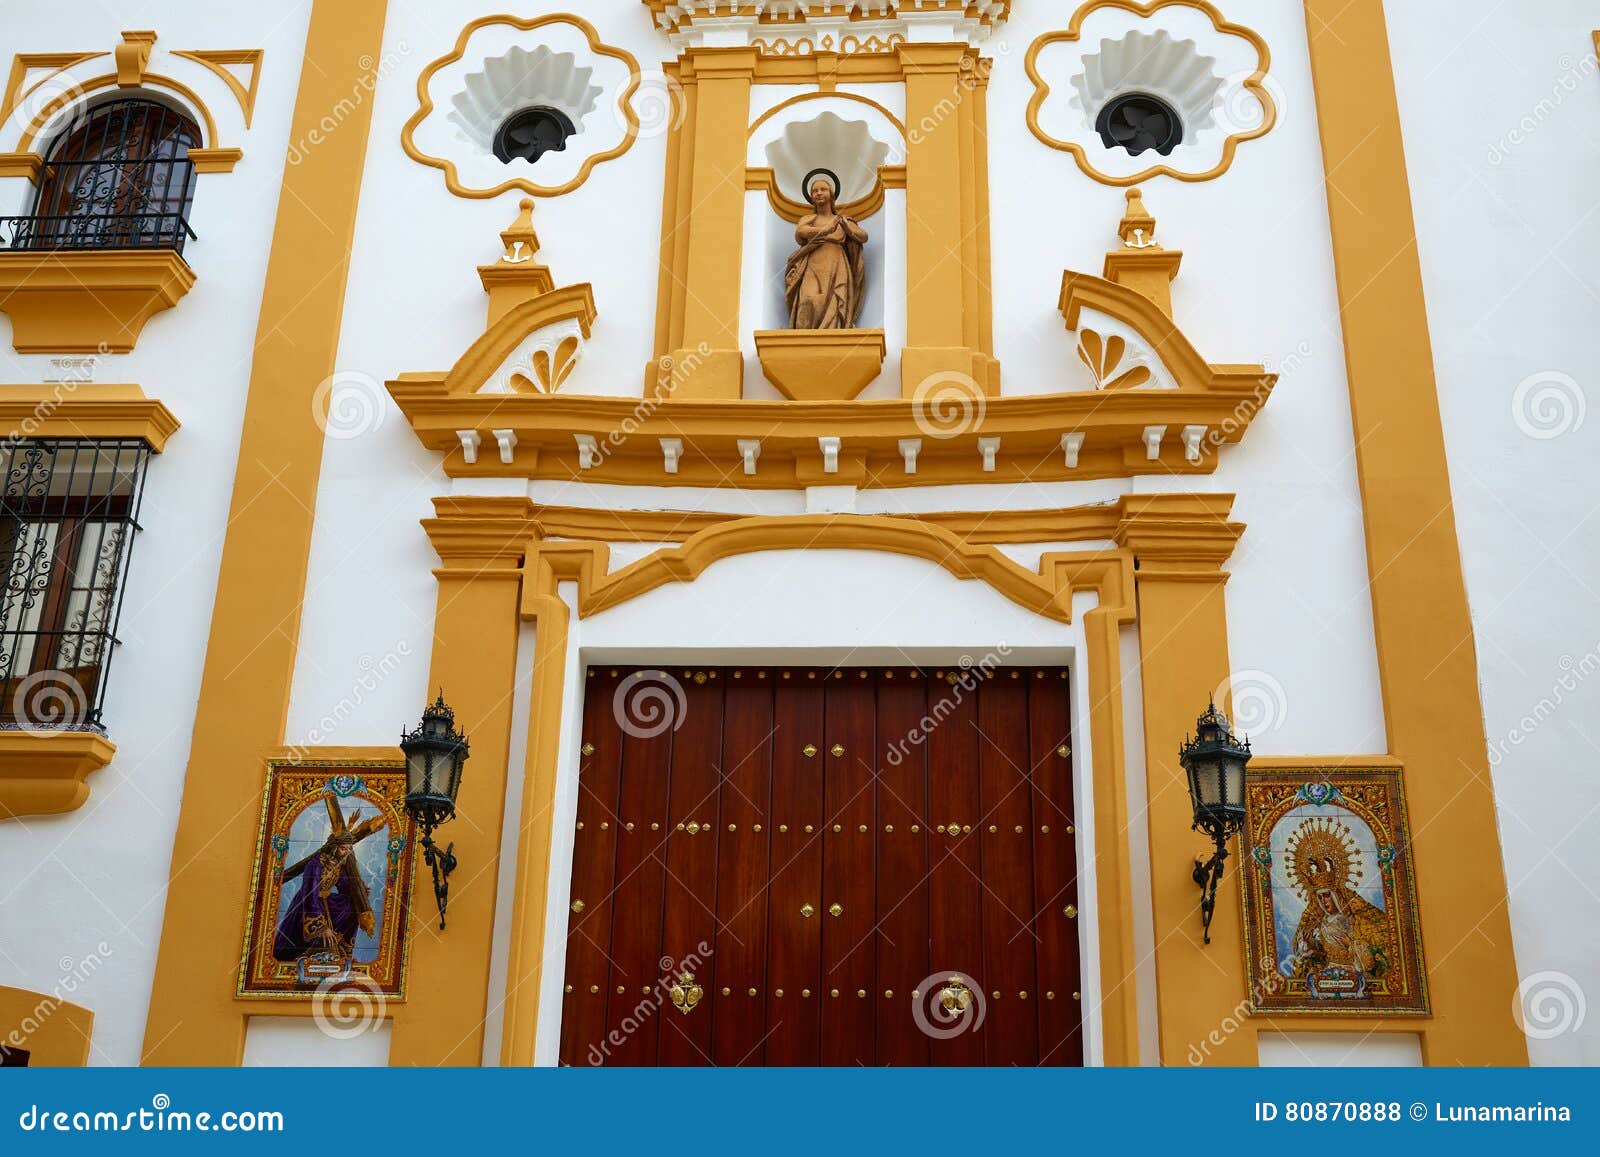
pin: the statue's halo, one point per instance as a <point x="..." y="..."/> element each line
<point x="838" y="186"/>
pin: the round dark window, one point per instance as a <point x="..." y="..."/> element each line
<point x="1136" y="121"/>
<point x="530" y="133"/>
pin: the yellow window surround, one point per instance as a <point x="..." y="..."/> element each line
<point x="44" y="772"/>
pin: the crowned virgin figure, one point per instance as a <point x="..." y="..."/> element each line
<point x="825" y="280"/>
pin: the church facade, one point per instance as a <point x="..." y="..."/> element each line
<point x="916" y="531"/>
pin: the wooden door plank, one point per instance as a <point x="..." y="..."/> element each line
<point x="1055" y="867"/>
<point x="1011" y="1034"/>
<point x="794" y="968"/>
<point x="849" y="1014"/>
<point x="955" y="889"/>
<point x="636" y="995"/>
<point x="594" y="855"/>
<point x="689" y="915"/>
<point x="740" y="1020"/>
<point x="902" y="867"/>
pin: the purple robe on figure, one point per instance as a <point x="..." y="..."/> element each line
<point x="310" y="911"/>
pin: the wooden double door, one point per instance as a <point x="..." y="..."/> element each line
<point x="804" y="866"/>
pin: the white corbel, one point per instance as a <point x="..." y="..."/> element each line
<point x="671" y="452"/>
<point x="1071" y="444"/>
<point x="830" y="454"/>
<point x="1192" y="437"/>
<point x="588" y="451"/>
<point x="909" y="449"/>
<point x="988" y="447"/>
<point x="749" y="450"/>
<point x="508" y="445"/>
<point x="1152" y="441"/>
<point x="470" y="441"/>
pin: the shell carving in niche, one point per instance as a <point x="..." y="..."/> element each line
<point x="1211" y="73"/>
<point x="503" y="65"/>
<point x="1150" y="62"/>
<point x="827" y="141"/>
<point x="517" y="79"/>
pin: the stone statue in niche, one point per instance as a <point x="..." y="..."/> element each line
<point x="825" y="280"/>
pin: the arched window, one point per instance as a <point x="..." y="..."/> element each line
<point x="119" y="179"/>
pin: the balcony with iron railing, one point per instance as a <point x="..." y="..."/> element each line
<point x="101" y="253"/>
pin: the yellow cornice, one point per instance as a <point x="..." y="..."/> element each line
<point x="43" y="772"/>
<point x="1030" y="428"/>
<point x="87" y="301"/>
<point x="72" y="410"/>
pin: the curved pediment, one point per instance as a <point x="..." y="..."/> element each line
<point x="533" y="348"/>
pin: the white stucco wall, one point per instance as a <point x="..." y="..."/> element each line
<point x="97" y="876"/>
<point x="1501" y="115"/>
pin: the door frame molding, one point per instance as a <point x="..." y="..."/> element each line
<point x="1190" y="534"/>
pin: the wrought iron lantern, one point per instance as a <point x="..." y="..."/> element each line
<point x="435" y="753"/>
<point x="1215" y="763"/>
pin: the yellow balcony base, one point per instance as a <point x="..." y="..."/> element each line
<point x="87" y="301"/>
<point x="820" y="365"/>
<point x="43" y="772"/>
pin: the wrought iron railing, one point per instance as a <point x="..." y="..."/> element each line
<point x="68" y="517"/>
<point x="97" y="231"/>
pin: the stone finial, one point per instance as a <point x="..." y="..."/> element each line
<point x="521" y="241"/>
<point x="1137" y="228"/>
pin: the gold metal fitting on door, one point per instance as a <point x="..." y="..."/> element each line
<point x="807" y="911"/>
<point x="836" y="909"/>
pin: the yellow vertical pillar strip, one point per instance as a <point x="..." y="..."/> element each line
<point x="1427" y="662"/>
<point x="714" y="217"/>
<point x="940" y="206"/>
<point x="525" y="967"/>
<point x="674" y="222"/>
<point x="481" y="542"/>
<point x="255" y="623"/>
<point x="1119" y="989"/>
<point x="1183" y="659"/>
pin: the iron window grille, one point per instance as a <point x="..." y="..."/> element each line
<point x="68" y="515"/>
<point x="121" y="179"/>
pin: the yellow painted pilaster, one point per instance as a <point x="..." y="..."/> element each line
<point x="943" y="246"/>
<point x="1427" y="662"/>
<point x="244" y="692"/>
<point x="481" y="542"/>
<point x="524" y="972"/>
<point x="707" y="362"/>
<point x="1180" y="545"/>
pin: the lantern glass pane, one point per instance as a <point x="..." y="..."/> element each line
<point x="417" y="761"/>
<point x="1208" y="781"/>
<point x="1233" y="785"/>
